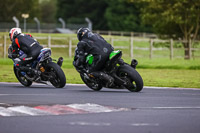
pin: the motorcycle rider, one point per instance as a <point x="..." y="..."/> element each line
<point x="25" y="43"/>
<point x="91" y="43"/>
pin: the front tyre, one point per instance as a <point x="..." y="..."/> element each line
<point x="56" y="74"/>
<point x="94" y="85"/>
<point x="132" y="77"/>
<point x="21" y="78"/>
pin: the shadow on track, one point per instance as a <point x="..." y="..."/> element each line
<point x="108" y="91"/>
<point x="32" y="87"/>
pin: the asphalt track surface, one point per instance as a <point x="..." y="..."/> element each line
<point x="77" y="109"/>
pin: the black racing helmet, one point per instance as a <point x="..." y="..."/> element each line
<point x="81" y="32"/>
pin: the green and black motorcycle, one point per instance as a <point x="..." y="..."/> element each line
<point x="125" y="75"/>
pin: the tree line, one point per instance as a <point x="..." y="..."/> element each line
<point x="177" y="19"/>
<point x="118" y="15"/>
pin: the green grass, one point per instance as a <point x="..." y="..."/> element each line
<point x="171" y="78"/>
<point x="165" y="63"/>
<point x="161" y="72"/>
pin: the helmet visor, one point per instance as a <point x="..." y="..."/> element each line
<point x="10" y="36"/>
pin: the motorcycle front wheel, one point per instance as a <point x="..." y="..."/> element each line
<point x="21" y="78"/>
<point x="56" y="75"/>
<point x="91" y="84"/>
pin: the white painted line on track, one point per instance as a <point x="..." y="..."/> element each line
<point x="16" y="83"/>
<point x="186" y="107"/>
<point x="25" y="95"/>
<point x="144" y="124"/>
<point x="81" y="123"/>
<point x="172" y="88"/>
<point x="176" y="107"/>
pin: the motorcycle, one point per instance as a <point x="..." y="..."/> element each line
<point x="125" y="75"/>
<point x="46" y="69"/>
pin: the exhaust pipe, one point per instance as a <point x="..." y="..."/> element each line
<point x="60" y="61"/>
<point x="134" y="63"/>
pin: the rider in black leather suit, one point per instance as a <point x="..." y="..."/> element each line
<point x="91" y="43"/>
<point x="25" y="43"/>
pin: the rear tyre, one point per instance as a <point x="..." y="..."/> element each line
<point x="132" y="77"/>
<point x="94" y="85"/>
<point x="56" y="74"/>
<point x="21" y="78"/>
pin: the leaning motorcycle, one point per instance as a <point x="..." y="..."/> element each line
<point x="47" y="70"/>
<point x="125" y="75"/>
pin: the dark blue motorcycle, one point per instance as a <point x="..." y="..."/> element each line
<point x="47" y="70"/>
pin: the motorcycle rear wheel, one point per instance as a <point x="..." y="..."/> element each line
<point x="57" y="75"/>
<point x="21" y="78"/>
<point x="92" y="85"/>
<point x="132" y="77"/>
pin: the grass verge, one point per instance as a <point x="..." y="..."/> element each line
<point x="178" y="73"/>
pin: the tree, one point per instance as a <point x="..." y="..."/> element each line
<point x="75" y="11"/>
<point x="48" y="11"/>
<point x="124" y="15"/>
<point x="175" y="18"/>
<point x="10" y="8"/>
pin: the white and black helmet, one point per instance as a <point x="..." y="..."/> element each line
<point x="81" y="32"/>
<point x="14" y="32"/>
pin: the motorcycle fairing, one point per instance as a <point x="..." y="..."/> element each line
<point x="113" y="54"/>
<point x="45" y="52"/>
